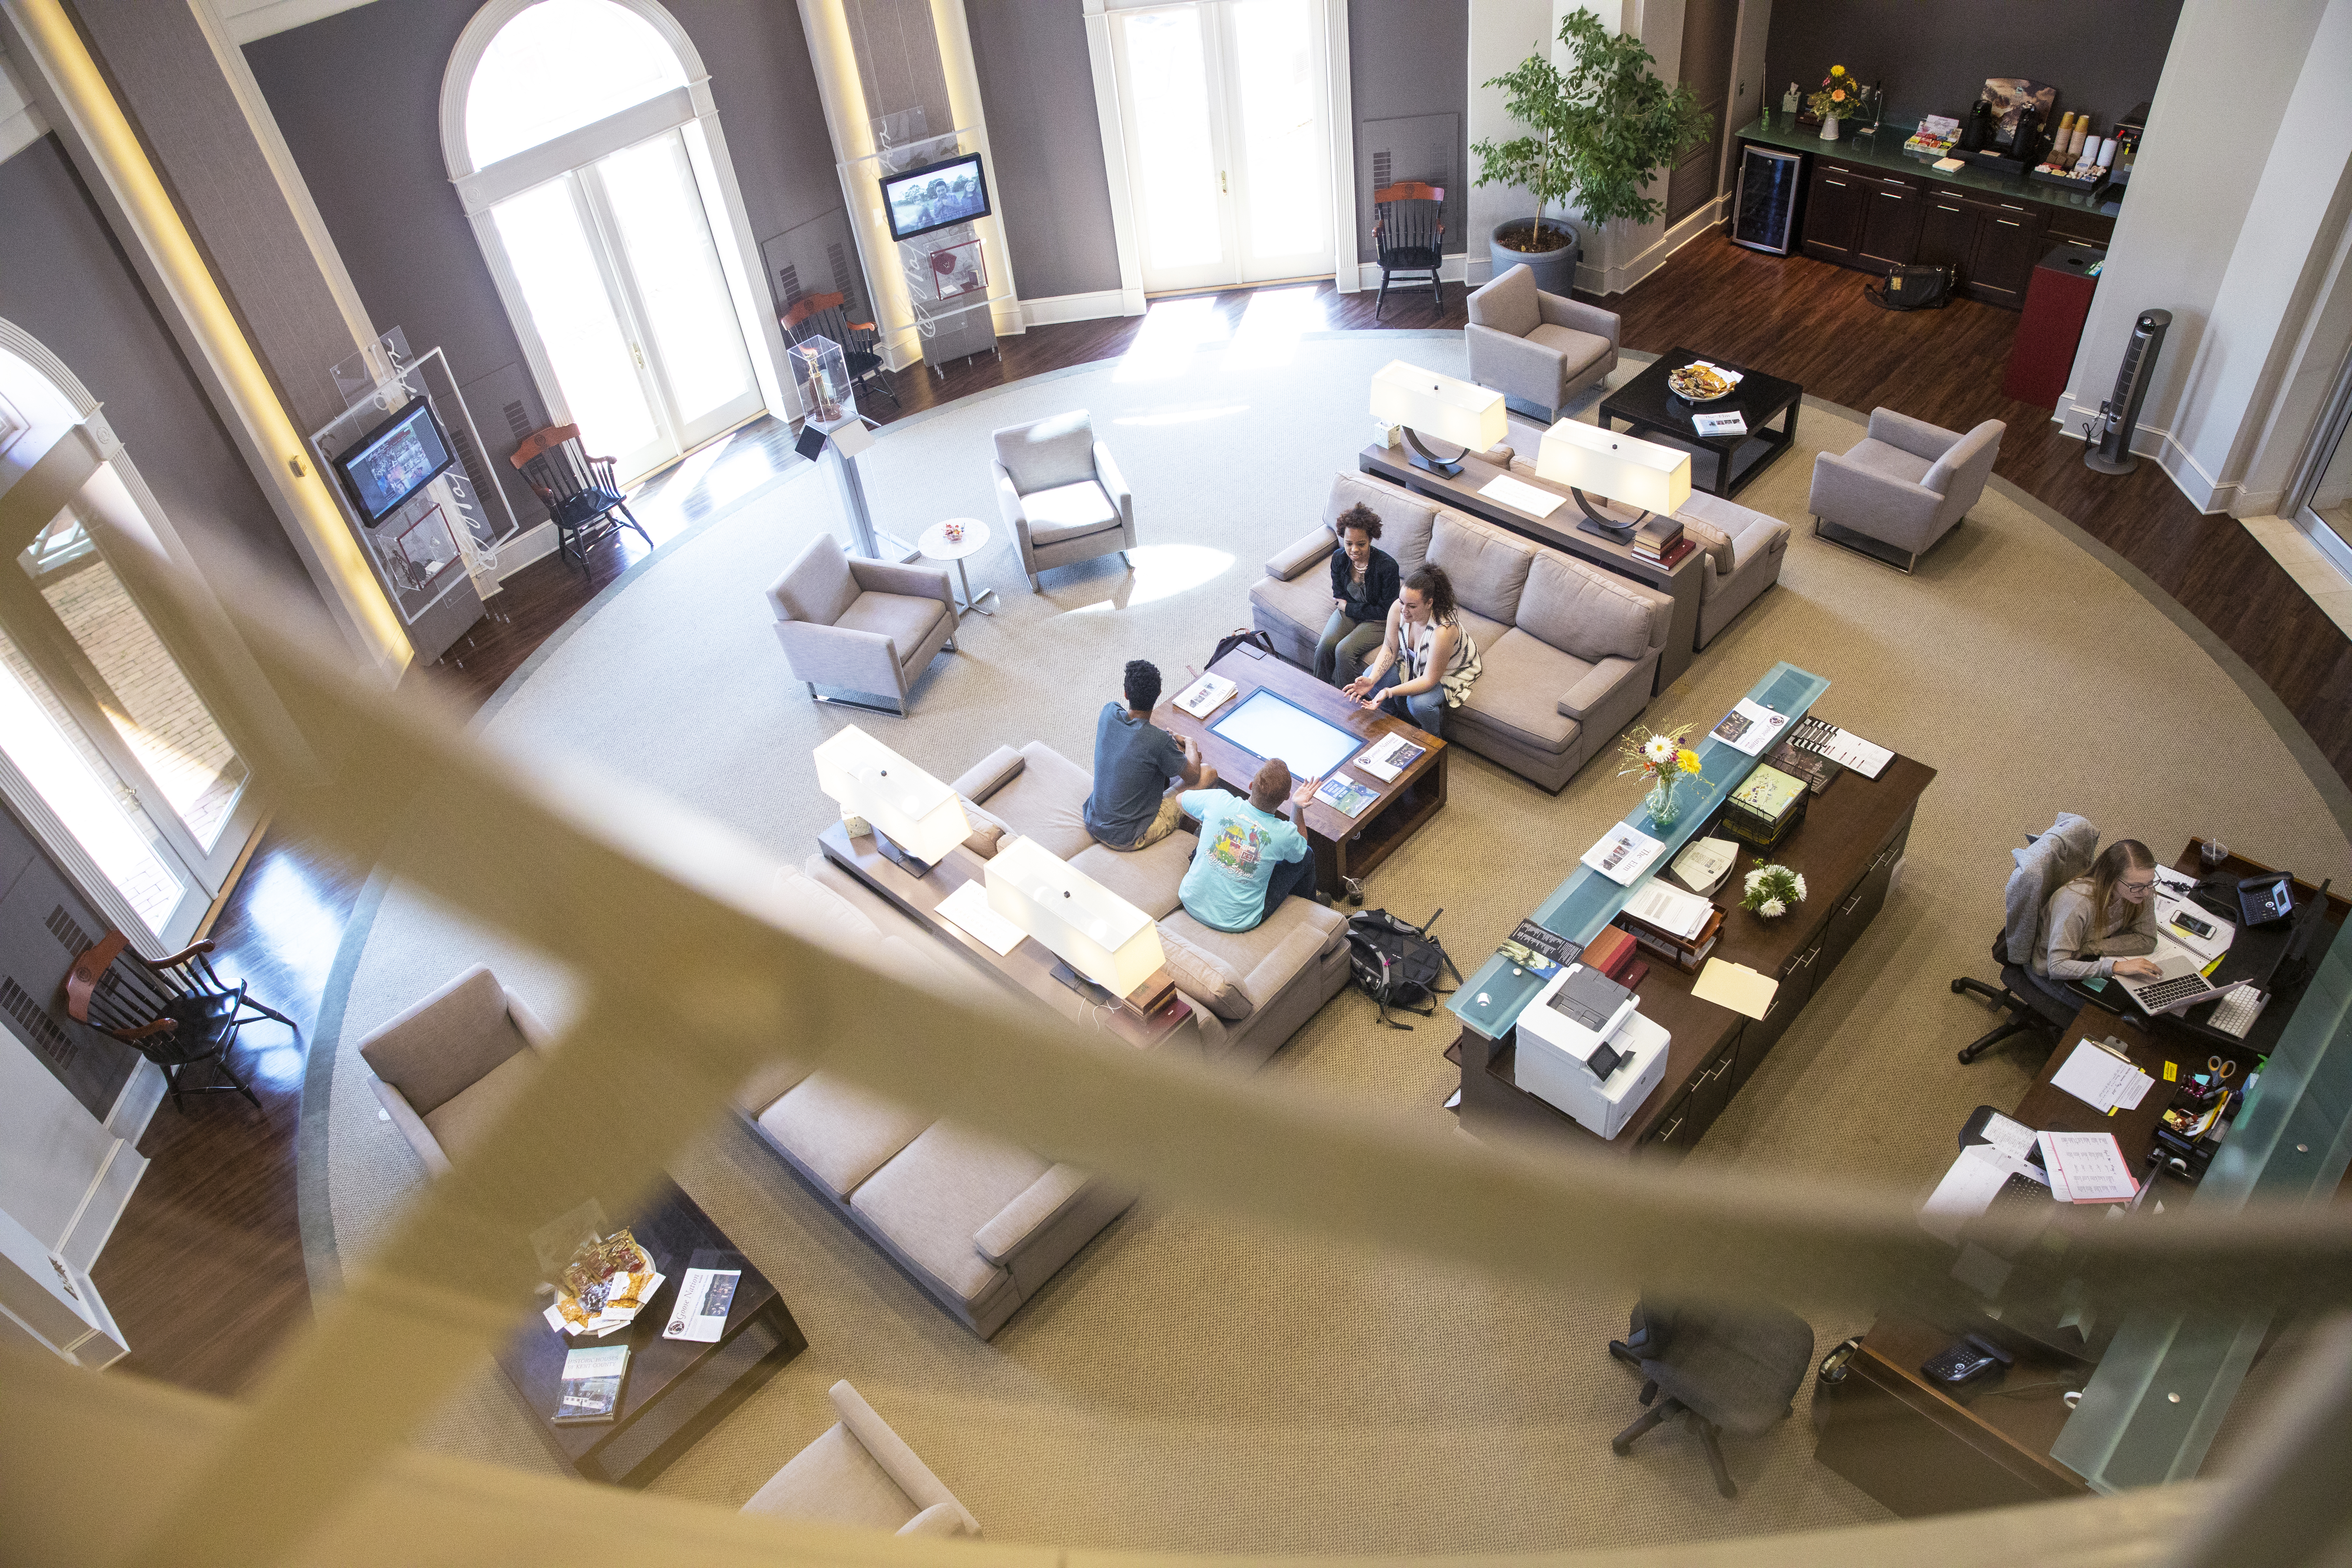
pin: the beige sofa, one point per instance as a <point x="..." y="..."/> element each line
<point x="980" y="1223"/>
<point x="448" y="1066"/>
<point x="1568" y="651"/>
<point x="1251" y="989"/>
<point x="860" y="1472"/>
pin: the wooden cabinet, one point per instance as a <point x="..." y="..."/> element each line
<point x="1890" y="225"/>
<point x="1835" y="207"/>
<point x="2008" y="244"/>
<point x="1947" y="231"/>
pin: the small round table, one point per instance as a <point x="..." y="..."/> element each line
<point x="935" y="544"/>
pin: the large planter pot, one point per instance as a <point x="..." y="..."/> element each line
<point x="1555" y="270"/>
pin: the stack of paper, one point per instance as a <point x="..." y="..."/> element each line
<point x="1623" y="854"/>
<point x="1968" y="1187"/>
<point x="2204" y="948"/>
<point x="2101" y="1079"/>
<point x="1520" y="496"/>
<point x="1749" y="727"/>
<point x="1669" y="909"/>
<point x="968" y="910"/>
<point x="2087" y="1168"/>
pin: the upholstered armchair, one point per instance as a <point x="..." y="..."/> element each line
<point x="1539" y="348"/>
<point x="861" y="626"/>
<point x="1903" y="486"/>
<point x="860" y="1472"/>
<point x="1743" y="552"/>
<point x="1062" y="494"/>
<point x="447" y="1067"/>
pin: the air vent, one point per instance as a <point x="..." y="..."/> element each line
<point x="845" y="281"/>
<point x="68" y="931"/>
<point x="1381" y="180"/>
<point x="518" y="420"/>
<point x="788" y="279"/>
<point x="35" y="1020"/>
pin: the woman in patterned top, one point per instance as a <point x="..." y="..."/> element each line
<point x="1426" y="661"/>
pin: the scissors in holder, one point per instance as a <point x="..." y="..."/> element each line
<point x="2222" y="1068"/>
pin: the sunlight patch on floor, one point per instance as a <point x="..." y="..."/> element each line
<point x="1172" y="331"/>
<point x="1273" y="324"/>
<point x="1162" y="572"/>
<point x="1185" y="415"/>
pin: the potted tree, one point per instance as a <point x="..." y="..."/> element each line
<point x="1596" y="135"/>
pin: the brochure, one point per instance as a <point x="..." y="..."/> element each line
<point x="1385" y="758"/>
<point x="1341" y="793"/>
<point x="592" y="1376"/>
<point x="703" y="1299"/>
<point x="1749" y="727"/>
<point x="1624" y="853"/>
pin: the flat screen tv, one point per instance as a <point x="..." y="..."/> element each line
<point x="951" y="191"/>
<point x="1267" y="725"/>
<point x="393" y="461"/>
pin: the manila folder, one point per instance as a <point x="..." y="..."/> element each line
<point x="1736" y="987"/>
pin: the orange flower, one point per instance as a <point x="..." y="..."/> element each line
<point x="1838" y="97"/>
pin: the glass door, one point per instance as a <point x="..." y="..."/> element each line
<point x="1227" y="133"/>
<point x="622" y="276"/>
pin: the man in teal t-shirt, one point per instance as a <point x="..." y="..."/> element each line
<point x="1251" y="856"/>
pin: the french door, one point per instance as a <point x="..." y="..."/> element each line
<point x="1225" y="108"/>
<point x="622" y="277"/>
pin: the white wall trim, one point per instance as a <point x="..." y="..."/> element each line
<point x="21" y="124"/>
<point x="1111" y="123"/>
<point x="1091" y="307"/>
<point x="1619" y="276"/>
<point x="2205" y="492"/>
<point x="1340" y="97"/>
<point x="247" y="20"/>
<point x="102" y="1202"/>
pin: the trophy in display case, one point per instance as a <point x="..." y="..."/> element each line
<point x="821" y="376"/>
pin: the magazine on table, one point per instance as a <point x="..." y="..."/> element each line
<point x="1624" y="853"/>
<point x="1842" y="746"/>
<point x="592" y="1376"/>
<point x="1386" y="758"/>
<point x="1749" y="727"/>
<point x="1343" y="794"/>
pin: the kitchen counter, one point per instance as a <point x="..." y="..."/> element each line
<point x="1884" y="149"/>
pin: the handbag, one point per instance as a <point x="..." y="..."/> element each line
<point x="1917" y="287"/>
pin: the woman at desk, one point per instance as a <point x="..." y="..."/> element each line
<point x="2105" y="923"/>
<point x="1364" y="583"/>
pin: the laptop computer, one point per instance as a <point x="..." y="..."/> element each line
<point x="2178" y="982"/>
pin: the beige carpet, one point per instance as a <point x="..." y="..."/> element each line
<point x="1189" y="1384"/>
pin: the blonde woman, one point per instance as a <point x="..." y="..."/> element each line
<point x="2105" y="923"/>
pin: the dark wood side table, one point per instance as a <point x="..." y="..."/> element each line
<point x="1345" y="847"/>
<point x="1649" y="407"/>
<point x="676" y="1389"/>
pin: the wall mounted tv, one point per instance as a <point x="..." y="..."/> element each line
<point x="393" y="461"/>
<point x="951" y="191"/>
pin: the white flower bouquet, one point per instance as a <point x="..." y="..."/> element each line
<point x="1773" y="891"/>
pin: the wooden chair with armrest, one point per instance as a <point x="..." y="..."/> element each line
<point x="583" y="498"/>
<point x="827" y="316"/>
<point x="1409" y="237"/>
<point x="175" y="1012"/>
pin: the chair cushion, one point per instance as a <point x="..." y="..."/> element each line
<point x="837" y="1480"/>
<point x="468" y="1114"/>
<point x="1148" y="877"/>
<point x="1584" y="612"/>
<point x="839" y="1132"/>
<point x="1049" y="453"/>
<point x="1484" y="632"/>
<point x="1711" y="541"/>
<point x="1488" y="567"/>
<point x="1517" y="692"/>
<point x="941" y="1189"/>
<point x="817" y="587"/>
<point x="907" y="621"/>
<point x="1199" y="972"/>
<point x="1892" y="462"/>
<point x="1068" y="511"/>
<point x="1270" y="954"/>
<point x="1046" y="801"/>
<point x="1739" y="1370"/>
<point x="1575" y="349"/>
<point x="440" y="1045"/>
<point x="1508" y="304"/>
<point x="1405" y="519"/>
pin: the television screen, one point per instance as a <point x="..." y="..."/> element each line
<point x="1267" y="725"/>
<point x="394" y="460"/>
<point x="935" y="195"/>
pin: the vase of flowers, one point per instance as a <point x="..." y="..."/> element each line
<point x="1838" y="97"/>
<point x="1661" y="757"/>
<point x="1773" y="891"/>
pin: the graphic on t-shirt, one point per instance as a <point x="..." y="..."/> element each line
<point x="1237" y="848"/>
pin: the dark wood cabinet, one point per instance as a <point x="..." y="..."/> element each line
<point x="1947" y="232"/>
<point x="2008" y="243"/>
<point x="1834" y="210"/>
<point x="1890" y="225"/>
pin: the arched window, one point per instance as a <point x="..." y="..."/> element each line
<point x="583" y="143"/>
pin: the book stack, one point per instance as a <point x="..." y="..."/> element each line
<point x="1660" y="539"/>
<point x="1761" y="810"/>
<point x="1614" y="954"/>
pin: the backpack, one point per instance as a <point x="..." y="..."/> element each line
<point x="1247" y="636"/>
<point x="1921" y="288"/>
<point x="1397" y="964"/>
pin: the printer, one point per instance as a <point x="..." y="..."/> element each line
<point x="1584" y="1049"/>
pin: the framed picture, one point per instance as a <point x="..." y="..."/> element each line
<point x="957" y="269"/>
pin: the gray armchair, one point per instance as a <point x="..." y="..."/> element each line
<point x="862" y="626"/>
<point x="1903" y="486"/>
<point x="1539" y="348"/>
<point x="860" y="1472"/>
<point x="1743" y="552"/>
<point x="449" y="1065"/>
<point x="1062" y="494"/>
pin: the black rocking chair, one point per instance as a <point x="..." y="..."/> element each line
<point x="1409" y="234"/>
<point x="175" y="1013"/>
<point x="578" y="491"/>
<point x="827" y="316"/>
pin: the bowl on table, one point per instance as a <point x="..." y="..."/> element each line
<point x="1700" y="383"/>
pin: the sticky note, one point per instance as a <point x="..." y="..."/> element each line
<point x="2171" y="1072"/>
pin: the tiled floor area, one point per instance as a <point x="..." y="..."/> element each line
<point x="2304" y="561"/>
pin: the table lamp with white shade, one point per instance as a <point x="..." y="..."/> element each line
<point x="914" y="818"/>
<point x="1097" y="935"/>
<point x="1630" y="472"/>
<point x="1427" y="404"/>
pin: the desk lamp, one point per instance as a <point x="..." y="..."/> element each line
<point x="1423" y="402"/>
<point x="1098" y="936"/>
<point x="1619" y="468"/>
<point x="914" y="818"/>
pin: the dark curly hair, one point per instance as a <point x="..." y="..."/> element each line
<point x="1362" y="517"/>
<point x="1437" y="588"/>
<point x="1142" y="680"/>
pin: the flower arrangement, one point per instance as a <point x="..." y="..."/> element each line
<point x="1773" y="890"/>
<point x="1839" y="96"/>
<point x="1661" y="757"/>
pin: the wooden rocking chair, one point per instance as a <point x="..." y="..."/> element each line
<point x="578" y="491"/>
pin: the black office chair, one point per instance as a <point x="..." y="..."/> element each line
<point x="1724" y="1367"/>
<point x="2040" y="1007"/>
<point x="1409" y="236"/>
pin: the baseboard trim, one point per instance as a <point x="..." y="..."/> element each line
<point x="101" y="1205"/>
<point x="1618" y="279"/>
<point x="2205" y="492"/>
<point x="1092" y="306"/>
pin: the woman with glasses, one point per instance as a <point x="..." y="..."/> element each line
<point x="2103" y="923"/>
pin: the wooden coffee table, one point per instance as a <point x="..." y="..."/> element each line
<point x="1723" y="465"/>
<point x="1345" y="847"/>
<point x="676" y="1389"/>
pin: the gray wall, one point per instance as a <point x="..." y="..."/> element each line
<point x="358" y="96"/>
<point x="2103" y="56"/>
<point x="64" y="280"/>
<point x="1048" y="183"/>
<point x="1412" y="57"/>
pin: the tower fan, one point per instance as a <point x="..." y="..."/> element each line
<point x="2106" y="440"/>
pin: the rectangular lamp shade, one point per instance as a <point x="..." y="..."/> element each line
<point x="1439" y="405"/>
<point x="915" y="811"/>
<point x="1633" y="473"/>
<point x="1081" y="923"/>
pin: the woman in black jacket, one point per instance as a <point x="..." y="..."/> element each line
<point x="1364" y="583"/>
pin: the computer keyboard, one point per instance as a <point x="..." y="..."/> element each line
<point x="2165" y="993"/>
<point x="2021" y="1192"/>
<point x="2236" y="1012"/>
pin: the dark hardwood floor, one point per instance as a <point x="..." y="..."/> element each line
<point x="204" y="1272"/>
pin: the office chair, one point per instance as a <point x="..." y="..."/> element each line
<point x="1722" y="1367"/>
<point x="2049" y="861"/>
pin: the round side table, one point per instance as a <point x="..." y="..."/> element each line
<point x="936" y="545"/>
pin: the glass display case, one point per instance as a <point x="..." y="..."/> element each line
<point x="820" y="377"/>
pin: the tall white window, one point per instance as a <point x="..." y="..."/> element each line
<point x="597" y="188"/>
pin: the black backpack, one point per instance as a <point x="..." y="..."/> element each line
<point x="1397" y="964"/>
<point x="1917" y="287"/>
<point x="1247" y="636"/>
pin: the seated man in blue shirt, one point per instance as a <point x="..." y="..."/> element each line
<point x="1252" y="856"/>
<point x="1132" y="806"/>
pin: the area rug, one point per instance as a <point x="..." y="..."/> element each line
<point x="1191" y="1384"/>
